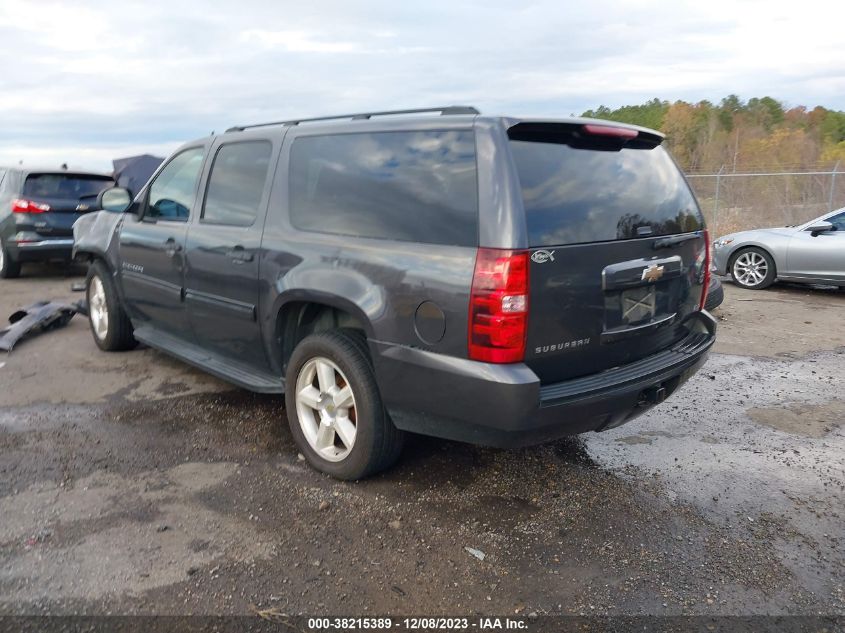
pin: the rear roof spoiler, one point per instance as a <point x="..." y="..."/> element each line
<point x="586" y="132"/>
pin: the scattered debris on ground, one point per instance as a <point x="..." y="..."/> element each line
<point x="41" y="316"/>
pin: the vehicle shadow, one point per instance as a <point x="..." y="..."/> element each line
<point x="52" y="270"/>
<point x="797" y="288"/>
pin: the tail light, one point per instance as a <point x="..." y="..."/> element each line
<point x="498" y="306"/>
<point x="28" y="206"/>
<point x="706" y="276"/>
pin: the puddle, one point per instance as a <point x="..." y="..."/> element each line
<point x="634" y="439"/>
<point x="810" y="420"/>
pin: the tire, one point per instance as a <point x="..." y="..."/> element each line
<point x="360" y="439"/>
<point x="110" y="326"/>
<point x="753" y="268"/>
<point x="9" y="269"/>
<point x="715" y="296"/>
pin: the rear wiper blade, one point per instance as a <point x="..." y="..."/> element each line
<point x="666" y="242"/>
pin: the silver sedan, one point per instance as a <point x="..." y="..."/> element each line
<point x="811" y="253"/>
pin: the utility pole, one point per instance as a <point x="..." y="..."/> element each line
<point x="716" y="202"/>
<point x="736" y="148"/>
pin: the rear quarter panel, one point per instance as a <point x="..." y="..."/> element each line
<point x="382" y="282"/>
<point x="8" y="191"/>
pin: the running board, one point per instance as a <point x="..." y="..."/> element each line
<point x="230" y="371"/>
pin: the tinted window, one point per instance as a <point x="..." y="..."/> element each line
<point x="65" y="186"/>
<point x="838" y="221"/>
<point x="172" y="192"/>
<point x="574" y="195"/>
<point x="236" y="183"/>
<point x="412" y="186"/>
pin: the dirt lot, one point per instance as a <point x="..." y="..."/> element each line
<point x="134" y="484"/>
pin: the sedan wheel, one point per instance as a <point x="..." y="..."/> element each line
<point x="753" y="269"/>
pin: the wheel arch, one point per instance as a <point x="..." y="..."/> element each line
<point x="300" y="313"/>
<point x="95" y="237"/>
<point x="747" y="247"/>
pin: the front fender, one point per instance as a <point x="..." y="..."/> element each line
<point x="95" y="235"/>
<point x="776" y="248"/>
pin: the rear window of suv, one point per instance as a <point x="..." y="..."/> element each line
<point x="65" y="186"/>
<point x="408" y="186"/>
<point x="579" y="193"/>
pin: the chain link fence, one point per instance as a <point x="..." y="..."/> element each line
<point x="736" y="202"/>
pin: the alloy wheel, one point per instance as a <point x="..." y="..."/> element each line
<point x="750" y="269"/>
<point x="97" y="308"/>
<point x="325" y="408"/>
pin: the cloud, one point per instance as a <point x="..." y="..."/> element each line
<point x="81" y="79"/>
<point x="296" y="42"/>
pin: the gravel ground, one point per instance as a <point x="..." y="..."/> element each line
<point x="134" y="484"/>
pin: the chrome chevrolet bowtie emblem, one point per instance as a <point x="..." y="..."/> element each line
<point x="652" y="273"/>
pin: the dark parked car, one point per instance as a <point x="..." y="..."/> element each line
<point x="37" y="211"/>
<point x="487" y="279"/>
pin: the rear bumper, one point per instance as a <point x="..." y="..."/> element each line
<point x="41" y="250"/>
<point x="505" y="405"/>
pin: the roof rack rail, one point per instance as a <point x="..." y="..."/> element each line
<point x="445" y="110"/>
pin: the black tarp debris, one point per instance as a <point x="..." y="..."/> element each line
<point x="134" y="172"/>
<point x="34" y="319"/>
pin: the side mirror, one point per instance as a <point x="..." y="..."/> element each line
<point x="819" y="227"/>
<point x="116" y="199"/>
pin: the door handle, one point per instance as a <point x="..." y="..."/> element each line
<point x="171" y="247"/>
<point x="240" y="255"/>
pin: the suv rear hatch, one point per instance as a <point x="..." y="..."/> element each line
<point x="618" y="246"/>
<point x="51" y="202"/>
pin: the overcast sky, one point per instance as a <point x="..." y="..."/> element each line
<point x="85" y="82"/>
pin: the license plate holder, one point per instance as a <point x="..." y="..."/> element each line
<point x="638" y="304"/>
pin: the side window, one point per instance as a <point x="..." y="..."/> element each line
<point x="411" y="186"/>
<point x="172" y="192"/>
<point x="236" y="183"/>
<point x="838" y="221"/>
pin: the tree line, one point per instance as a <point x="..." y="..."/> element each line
<point x="760" y="134"/>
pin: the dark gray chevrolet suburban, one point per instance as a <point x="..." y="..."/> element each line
<point x="493" y="280"/>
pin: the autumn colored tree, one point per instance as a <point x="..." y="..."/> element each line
<point x="758" y="135"/>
